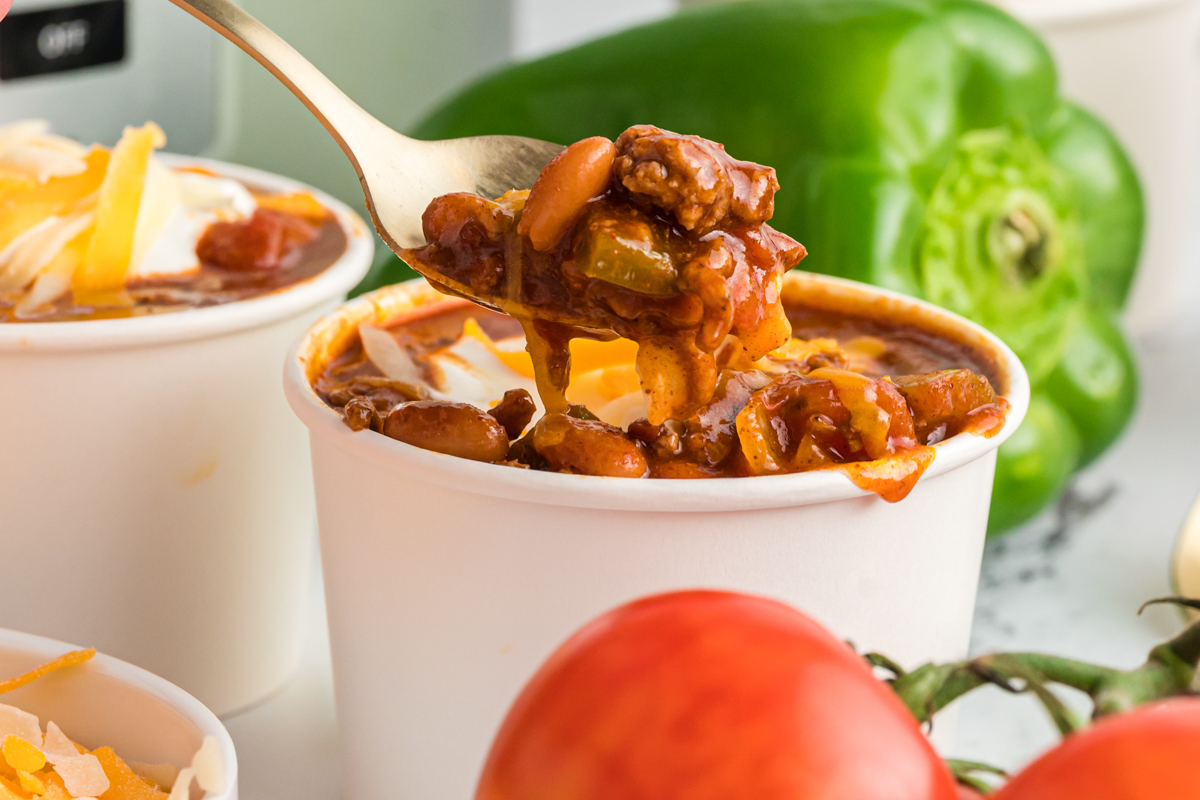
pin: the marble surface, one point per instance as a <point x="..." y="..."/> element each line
<point x="1070" y="582"/>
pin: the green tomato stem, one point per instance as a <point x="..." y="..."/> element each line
<point x="1170" y="670"/>
<point x="966" y="773"/>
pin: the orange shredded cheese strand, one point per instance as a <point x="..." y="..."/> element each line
<point x="299" y="204"/>
<point x="102" y="273"/>
<point x="891" y="477"/>
<point x="516" y="360"/>
<point x="30" y="782"/>
<point x="586" y="354"/>
<point x="21" y="209"/>
<point x="857" y="393"/>
<point x="64" y="190"/>
<point x="12" y="791"/>
<point x="65" y="660"/>
<point x="21" y="755"/>
<point x="123" y="782"/>
<point x="55" y="789"/>
<point x="24" y="206"/>
<point x="600" y="386"/>
<point x="589" y="354"/>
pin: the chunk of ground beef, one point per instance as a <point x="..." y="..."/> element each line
<point x="693" y="179"/>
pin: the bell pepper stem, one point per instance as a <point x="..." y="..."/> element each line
<point x="1019" y="242"/>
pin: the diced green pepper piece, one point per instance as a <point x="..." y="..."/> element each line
<point x="632" y="262"/>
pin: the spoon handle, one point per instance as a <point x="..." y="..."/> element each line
<point x="345" y="120"/>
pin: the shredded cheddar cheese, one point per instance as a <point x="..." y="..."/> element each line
<point x="49" y="766"/>
<point x="101" y="276"/>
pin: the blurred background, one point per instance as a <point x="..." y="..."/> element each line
<point x="396" y="58"/>
<point x="1135" y="62"/>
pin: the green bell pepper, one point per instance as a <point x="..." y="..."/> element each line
<point x="922" y="146"/>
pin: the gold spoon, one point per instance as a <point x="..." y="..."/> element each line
<point x="399" y="175"/>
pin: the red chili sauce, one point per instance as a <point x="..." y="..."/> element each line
<point x="930" y="388"/>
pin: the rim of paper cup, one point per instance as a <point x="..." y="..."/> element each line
<point x="639" y="494"/>
<point x="1070" y="13"/>
<point x="199" y="323"/>
<point x="188" y="707"/>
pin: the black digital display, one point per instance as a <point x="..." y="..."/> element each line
<point x="62" y="39"/>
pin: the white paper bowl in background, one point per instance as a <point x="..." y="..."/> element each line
<point x="109" y="703"/>
<point x="155" y="490"/>
<point x="449" y="581"/>
<point x="1136" y="64"/>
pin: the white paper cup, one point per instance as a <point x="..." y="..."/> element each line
<point x="1136" y="64"/>
<point x="449" y="581"/>
<point x="108" y="703"/>
<point x="155" y="493"/>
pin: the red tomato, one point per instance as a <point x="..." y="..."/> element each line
<point x="1152" y="753"/>
<point x="5" y="5"/>
<point x="967" y="793"/>
<point x="709" y="696"/>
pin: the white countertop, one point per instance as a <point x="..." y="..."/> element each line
<point x="1069" y="583"/>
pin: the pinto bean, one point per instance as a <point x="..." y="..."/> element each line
<point x="664" y="442"/>
<point x="466" y="235"/>
<point x="558" y="197"/>
<point x="588" y="447"/>
<point x="360" y="414"/>
<point x="514" y="411"/>
<point x="456" y="429"/>
<point x="443" y="221"/>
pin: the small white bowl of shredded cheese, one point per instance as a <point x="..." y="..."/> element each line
<point x="77" y="724"/>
